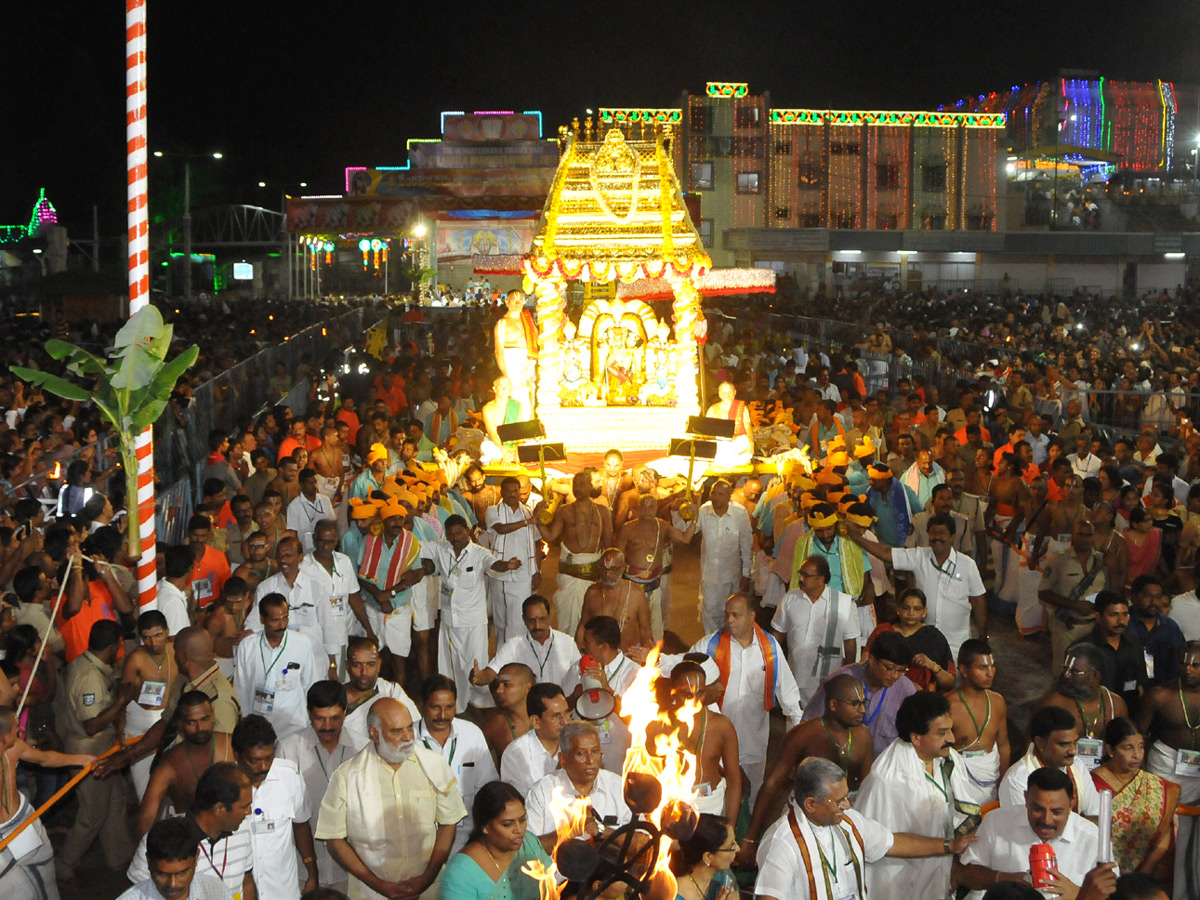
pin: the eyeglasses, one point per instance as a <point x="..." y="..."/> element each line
<point x="892" y="668"/>
<point x="726" y="850"/>
<point x="810" y="574"/>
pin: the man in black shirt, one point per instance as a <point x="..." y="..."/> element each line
<point x="1124" y="669"/>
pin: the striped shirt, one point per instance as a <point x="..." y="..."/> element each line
<point x="228" y="859"/>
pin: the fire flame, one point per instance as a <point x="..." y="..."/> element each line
<point x="658" y="750"/>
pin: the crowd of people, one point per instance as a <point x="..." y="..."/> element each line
<point x="355" y="678"/>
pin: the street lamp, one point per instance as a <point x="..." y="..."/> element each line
<point x="187" y="211"/>
<point x="285" y="238"/>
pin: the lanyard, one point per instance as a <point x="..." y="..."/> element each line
<point x="944" y="787"/>
<point x="878" y="706"/>
<point x="987" y="717"/>
<point x="542" y="662"/>
<point x="615" y="671"/>
<point x="224" y="859"/>
<point x="319" y="750"/>
<point x="274" y="659"/>
<point x="831" y="868"/>
<point x="438" y="750"/>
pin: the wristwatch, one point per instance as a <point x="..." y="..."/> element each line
<point x="946" y="846"/>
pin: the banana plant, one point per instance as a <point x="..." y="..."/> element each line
<point x="131" y="389"/>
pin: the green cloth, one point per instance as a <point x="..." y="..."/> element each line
<point x="463" y="879"/>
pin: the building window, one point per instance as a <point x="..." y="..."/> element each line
<point x="702" y="120"/>
<point x="783" y="212"/>
<point x="810" y="220"/>
<point x="746" y="117"/>
<point x="933" y="178"/>
<point x="706" y="232"/>
<point x="702" y="176"/>
<point x="887" y="176"/>
<point x="747" y="182"/>
<point x="811" y="173"/>
<point x="783" y="148"/>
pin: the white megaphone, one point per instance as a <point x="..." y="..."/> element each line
<point x="595" y="702"/>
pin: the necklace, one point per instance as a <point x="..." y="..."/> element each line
<point x="491" y="856"/>
<point x="1187" y="718"/>
<point x="843" y="752"/>
<point x="1091" y="725"/>
<point x="987" y="716"/>
<point x="700" y="892"/>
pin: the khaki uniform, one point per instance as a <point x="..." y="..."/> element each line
<point x="90" y="690"/>
<point x="226" y="708"/>
<point x="1061" y="575"/>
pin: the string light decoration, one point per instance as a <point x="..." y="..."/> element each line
<point x="365" y="246"/>
<point x="635" y="116"/>
<point x="782" y="201"/>
<point x="1170" y="111"/>
<point x="845" y="172"/>
<point x="43" y="213"/>
<point x="1138" y="119"/>
<point x="977" y="197"/>
<point x="749" y="160"/>
<point x="727" y="89"/>
<point x="889" y="162"/>
<point x="1083" y="113"/>
<point x="892" y="118"/>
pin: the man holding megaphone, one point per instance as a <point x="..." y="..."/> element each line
<point x="595" y="688"/>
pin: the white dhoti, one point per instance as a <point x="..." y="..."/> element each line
<point x="714" y="594"/>
<point x="982" y="768"/>
<point x="458" y="649"/>
<point x="1031" y="612"/>
<point x="711" y="799"/>
<point x="1162" y="760"/>
<point x="652" y="588"/>
<point x="1004" y="563"/>
<point x="505" y="596"/>
<point x="425" y="608"/>
<point x="138" y="720"/>
<point x="568" y="599"/>
<point x="774" y="591"/>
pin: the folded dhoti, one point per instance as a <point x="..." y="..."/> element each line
<point x="576" y="573"/>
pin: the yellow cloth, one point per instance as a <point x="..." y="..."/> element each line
<point x="390" y="816"/>
<point x="376" y="453"/>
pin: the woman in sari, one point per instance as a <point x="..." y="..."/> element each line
<point x="1143" y="804"/>
<point x="489" y="866"/>
<point x="1145" y="545"/>
<point x="701" y="864"/>
<point x="931" y="665"/>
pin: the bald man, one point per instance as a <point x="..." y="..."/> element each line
<point x="390" y="811"/>
<point x="617" y="596"/>
<point x="197" y="663"/>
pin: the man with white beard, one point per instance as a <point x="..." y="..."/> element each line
<point x="390" y="812"/>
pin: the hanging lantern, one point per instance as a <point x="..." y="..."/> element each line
<point x="365" y="246"/>
<point x="328" y="252"/>
<point x="376" y="246"/>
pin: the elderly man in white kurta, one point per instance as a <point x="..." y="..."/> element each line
<point x="512" y="533"/>
<point x="820" y="625"/>
<point x="462" y="566"/>
<point x="755" y="677"/>
<point x="390" y="812"/>
<point x="726" y="553"/>
<point x="913" y="787"/>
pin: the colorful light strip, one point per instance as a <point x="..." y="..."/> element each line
<point x="727" y="89"/>
<point x="896" y="119"/>
<point x="649" y="116"/>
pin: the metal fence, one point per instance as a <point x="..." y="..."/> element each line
<point x="234" y="398"/>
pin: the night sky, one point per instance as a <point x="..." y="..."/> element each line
<point x="295" y="91"/>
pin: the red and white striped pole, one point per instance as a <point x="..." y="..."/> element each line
<point x="138" y="214"/>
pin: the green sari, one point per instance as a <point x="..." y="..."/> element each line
<point x="463" y="879"/>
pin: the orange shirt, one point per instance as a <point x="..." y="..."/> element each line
<point x="209" y="577"/>
<point x="77" y="629"/>
<point x="350" y="418"/>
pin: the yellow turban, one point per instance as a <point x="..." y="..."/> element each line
<point x="363" y="509"/>
<point x="879" y="471"/>
<point x="393" y="508"/>
<point x="865" y="448"/>
<point x="809" y="500"/>
<point x="860" y="521"/>
<point x="818" y="520"/>
<point x="836" y="443"/>
<point x="840" y="458"/>
<point x="376" y="453"/>
<point x="804" y="482"/>
<point x="828" y="476"/>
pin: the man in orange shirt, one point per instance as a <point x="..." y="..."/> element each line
<point x="210" y="568"/>
<point x="92" y="594"/>
<point x="346" y="413"/>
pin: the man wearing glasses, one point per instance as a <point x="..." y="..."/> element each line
<point x="884" y="686"/>
<point x="820" y="848"/>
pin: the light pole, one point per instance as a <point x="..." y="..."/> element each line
<point x="187" y="211"/>
<point x="285" y="255"/>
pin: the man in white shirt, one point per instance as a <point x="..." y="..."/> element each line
<point x="916" y="785"/>
<point x="821" y="849"/>
<point x="273" y="669"/>
<point x="754" y="678"/>
<point x="459" y="742"/>
<point x="820" y="626"/>
<point x="1053" y="732"/>
<point x="1185" y="611"/>
<point x="511" y="532"/>
<point x="308" y="508"/>
<point x="219" y="820"/>
<point x="317" y="751"/>
<point x="172" y="854"/>
<point x="172" y="600"/>
<point x="1001" y="852"/>
<point x="462" y="566"/>
<point x="1084" y="463"/>
<point x="309" y="610"/>
<point x="580" y="776"/>
<point x="336" y="583"/>
<point x="615" y="672"/>
<point x="279" y="824"/>
<point x="726" y="553"/>
<point x="535" y="753"/>
<point x="550" y="654"/>
<point x="950" y="580"/>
